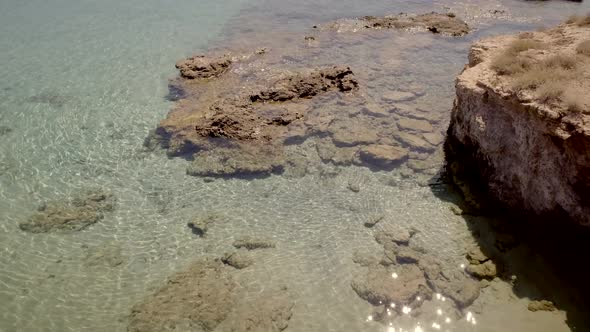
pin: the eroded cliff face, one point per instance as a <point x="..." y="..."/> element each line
<point x="523" y="135"/>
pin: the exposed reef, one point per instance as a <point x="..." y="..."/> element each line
<point x="447" y="24"/>
<point x="245" y="112"/>
<point x="70" y="215"/>
<point x="520" y="126"/>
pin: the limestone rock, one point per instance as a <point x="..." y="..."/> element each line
<point x="237" y="259"/>
<point x="393" y="233"/>
<point x="110" y="255"/>
<point x="447" y="24"/>
<point x="197" y="299"/>
<point x="252" y="243"/>
<point x="453" y="283"/>
<point x="383" y="155"/>
<point x="201" y="66"/>
<point x="393" y="284"/>
<point x="415" y="125"/>
<point x="270" y="312"/>
<point x="542" y="305"/>
<point x="70" y="215"/>
<point x="415" y="142"/>
<point x="364" y="259"/>
<point x="398" y="96"/>
<point x="526" y="150"/>
<point x="485" y="270"/>
<point x="200" y="225"/>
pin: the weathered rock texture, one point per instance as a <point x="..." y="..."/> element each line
<point x="205" y="297"/>
<point x="406" y="276"/>
<point x="197" y="299"/>
<point x="70" y="215"/>
<point x="434" y="22"/>
<point x="244" y="113"/>
<point x="518" y="137"/>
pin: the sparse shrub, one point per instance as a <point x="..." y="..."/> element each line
<point x="507" y="64"/>
<point x="547" y="76"/>
<point x="550" y="91"/>
<point x="524" y="44"/>
<point x="562" y="61"/>
<point x="584" y="48"/>
<point x="510" y="61"/>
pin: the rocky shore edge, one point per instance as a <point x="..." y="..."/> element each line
<point x="520" y="125"/>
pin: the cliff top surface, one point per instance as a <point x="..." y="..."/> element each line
<point x="546" y="71"/>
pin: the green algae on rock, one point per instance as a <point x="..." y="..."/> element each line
<point x="70" y="215"/>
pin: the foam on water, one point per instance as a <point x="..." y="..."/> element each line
<point x="83" y="84"/>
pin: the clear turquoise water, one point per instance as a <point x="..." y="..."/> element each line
<point x="83" y="83"/>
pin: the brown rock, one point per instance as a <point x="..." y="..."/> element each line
<point x="486" y="270"/>
<point x="383" y="155"/>
<point x="542" y="305"/>
<point x="201" y="66"/>
<point x="413" y="141"/>
<point x="270" y="312"/>
<point x="447" y="24"/>
<point x="237" y="259"/>
<point x="398" y="96"/>
<point x="398" y="284"/>
<point x="70" y="215"/>
<point x="200" y="297"/>
<point x="414" y="125"/>
<point x="252" y="243"/>
<point x="528" y="149"/>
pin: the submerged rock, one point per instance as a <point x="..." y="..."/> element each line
<point x="485" y="270"/>
<point x="197" y="299"/>
<point x="200" y="66"/>
<point x="270" y="312"/>
<point x="200" y="225"/>
<point x="542" y="305"/>
<point x="383" y="155"/>
<point x="110" y="255"/>
<point x="392" y="284"/>
<point x="70" y="215"/>
<point x="252" y="243"/>
<point x="447" y="24"/>
<point x="237" y="259"/>
<point x="245" y="132"/>
<point x="520" y="124"/>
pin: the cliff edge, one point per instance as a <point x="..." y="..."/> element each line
<point x="520" y="125"/>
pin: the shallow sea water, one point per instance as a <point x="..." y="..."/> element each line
<point x="85" y="82"/>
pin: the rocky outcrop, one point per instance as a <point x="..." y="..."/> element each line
<point x="447" y="24"/>
<point x="70" y="215"/>
<point x="241" y="113"/>
<point x="520" y="126"/>
<point x="200" y="66"/>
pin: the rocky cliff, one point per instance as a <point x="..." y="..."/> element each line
<point x="520" y="125"/>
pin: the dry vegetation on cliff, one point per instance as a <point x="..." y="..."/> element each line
<point x="552" y="66"/>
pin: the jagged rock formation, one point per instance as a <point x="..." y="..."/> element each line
<point x="520" y="126"/>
